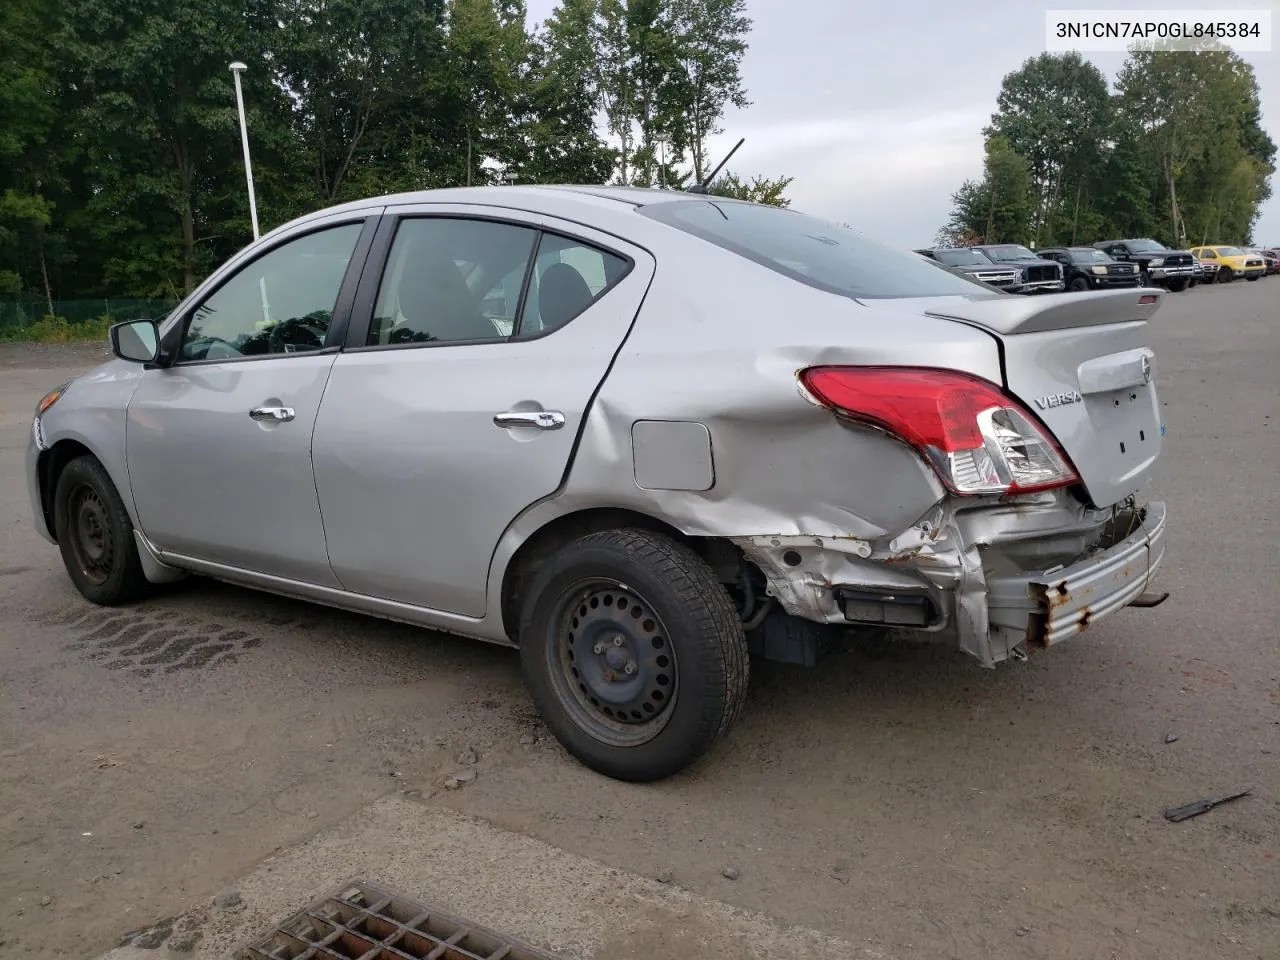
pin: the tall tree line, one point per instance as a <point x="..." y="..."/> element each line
<point x="120" y="164"/>
<point x="1176" y="152"/>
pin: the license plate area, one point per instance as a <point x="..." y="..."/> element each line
<point x="1127" y="424"/>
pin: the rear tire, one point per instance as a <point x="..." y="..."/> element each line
<point x="95" y="535"/>
<point x="633" y="653"/>
<point x="1225" y="275"/>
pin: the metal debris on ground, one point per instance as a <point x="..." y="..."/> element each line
<point x="1171" y="738"/>
<point x="365" y="922"/>
<point x="1187" y="811"/>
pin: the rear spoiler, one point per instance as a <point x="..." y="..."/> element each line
<point x="1055" y="311"/>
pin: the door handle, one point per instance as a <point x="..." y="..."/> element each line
<point x="541" y="419"/>
<point x="274" y="414"/>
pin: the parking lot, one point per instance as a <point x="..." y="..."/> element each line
<point x="898" y="797"/>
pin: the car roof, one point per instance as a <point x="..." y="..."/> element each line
<point x="517" y="195"/>
<point x="595" y="205"/>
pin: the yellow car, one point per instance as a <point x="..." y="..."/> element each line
<point x="1232" y="262"/>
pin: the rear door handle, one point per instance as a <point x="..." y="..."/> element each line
<point x="275" y="414"/>
<point x="541" y="419"/>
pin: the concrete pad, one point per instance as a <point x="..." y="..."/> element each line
<point x="574" y="907"/>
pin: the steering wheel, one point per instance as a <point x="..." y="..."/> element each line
<point x="217" y="349"/>
<point x="312" y="336"/>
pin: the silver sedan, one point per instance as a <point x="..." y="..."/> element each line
<point x="637" y="434"/>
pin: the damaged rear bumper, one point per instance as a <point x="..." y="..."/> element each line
<point x="1052" y="606"/>
<point x="994" y="578"/>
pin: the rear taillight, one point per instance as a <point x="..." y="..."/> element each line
<point x="978" y="439"/>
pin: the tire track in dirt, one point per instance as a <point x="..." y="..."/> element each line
<point x="145" y="642"/>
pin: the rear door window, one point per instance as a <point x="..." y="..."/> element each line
<point x="568" y="276"/>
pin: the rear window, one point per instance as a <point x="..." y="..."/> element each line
<point x="813" y="251"/>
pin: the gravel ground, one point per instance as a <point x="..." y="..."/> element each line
<point x="899" y="797"/>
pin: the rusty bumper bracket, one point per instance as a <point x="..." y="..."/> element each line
<point x="1064" y="602"/>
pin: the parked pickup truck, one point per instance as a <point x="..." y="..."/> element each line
<point x="1090" y="269"/>
<point x="978" y="266"/>
<point x="1038" y="274"/>
<point x="1160" y="266"/>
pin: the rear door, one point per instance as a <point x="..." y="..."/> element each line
<point x="478" y="340"/>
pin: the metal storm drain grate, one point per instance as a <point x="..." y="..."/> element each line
<point x="365" y="922"/>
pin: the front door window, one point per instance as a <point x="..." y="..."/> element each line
<point x="282" y="302"/>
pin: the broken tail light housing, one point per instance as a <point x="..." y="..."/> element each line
<point x="978" y="439"/>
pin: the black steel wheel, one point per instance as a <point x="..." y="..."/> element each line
<point x="95" y="535"/>
<point x="611" y="663"/>
<point x="633" y="653"/>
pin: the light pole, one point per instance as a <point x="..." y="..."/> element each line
<point x="236" y="69"/>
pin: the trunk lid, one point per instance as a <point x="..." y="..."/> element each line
<point x="1081" y="364"/>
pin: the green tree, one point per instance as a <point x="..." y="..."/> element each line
<point x="758" y="190"/>
<point x="30" y="158"/>
<point x="1193" y="111"/>
<point x="709" y="46"/>
<point x="147" y="83"/>
<point x="1055" y="112"/>
<point x="999" y="208"/>
<point x="356" y="72"/>
<point x="562" y="144"/>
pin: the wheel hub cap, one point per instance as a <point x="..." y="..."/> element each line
<point x="91" y="535"/>
<point x="617" y="657"/>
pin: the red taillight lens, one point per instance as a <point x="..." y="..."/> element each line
<point x="979" y="440"/>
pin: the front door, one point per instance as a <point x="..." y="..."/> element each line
<point x="219" y="443"/>
<point x="458" y="405"/>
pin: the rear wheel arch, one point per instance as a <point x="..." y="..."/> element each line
<point x="564" y="529"/>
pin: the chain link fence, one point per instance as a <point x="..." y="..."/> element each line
<point x="24" y="318"/>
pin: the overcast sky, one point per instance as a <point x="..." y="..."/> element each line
<point x="877" y="109"/>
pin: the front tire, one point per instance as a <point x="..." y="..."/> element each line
<point x="1256" y="276"/>
<point x="1078" y="285"/>
<point x="633" y="653"/>
<point x="95" y="535"/>
<point x="1177" y="286"/>
<point x="1225" y="275"/>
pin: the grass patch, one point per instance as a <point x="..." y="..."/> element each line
<point x="57" y="330"/>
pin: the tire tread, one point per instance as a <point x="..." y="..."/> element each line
<point x="696" y="589"/>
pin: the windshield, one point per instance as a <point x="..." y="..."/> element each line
<point x="1145" y="246"/>
<point x="1089" y="256"/>
<point x="959" y="257"/>
<point x="812" y="251"/>
<point x="1009" y="251"/>
<point x="1231" y="251"/>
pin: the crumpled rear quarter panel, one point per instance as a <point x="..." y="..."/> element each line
<point x="721" y="344"/>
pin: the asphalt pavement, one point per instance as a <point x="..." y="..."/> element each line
<point x="898" y="800"/>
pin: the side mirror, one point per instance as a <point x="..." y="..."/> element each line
<point x="137" y="341"/>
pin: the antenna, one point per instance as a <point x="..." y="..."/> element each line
<point x="702" y="187"/>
